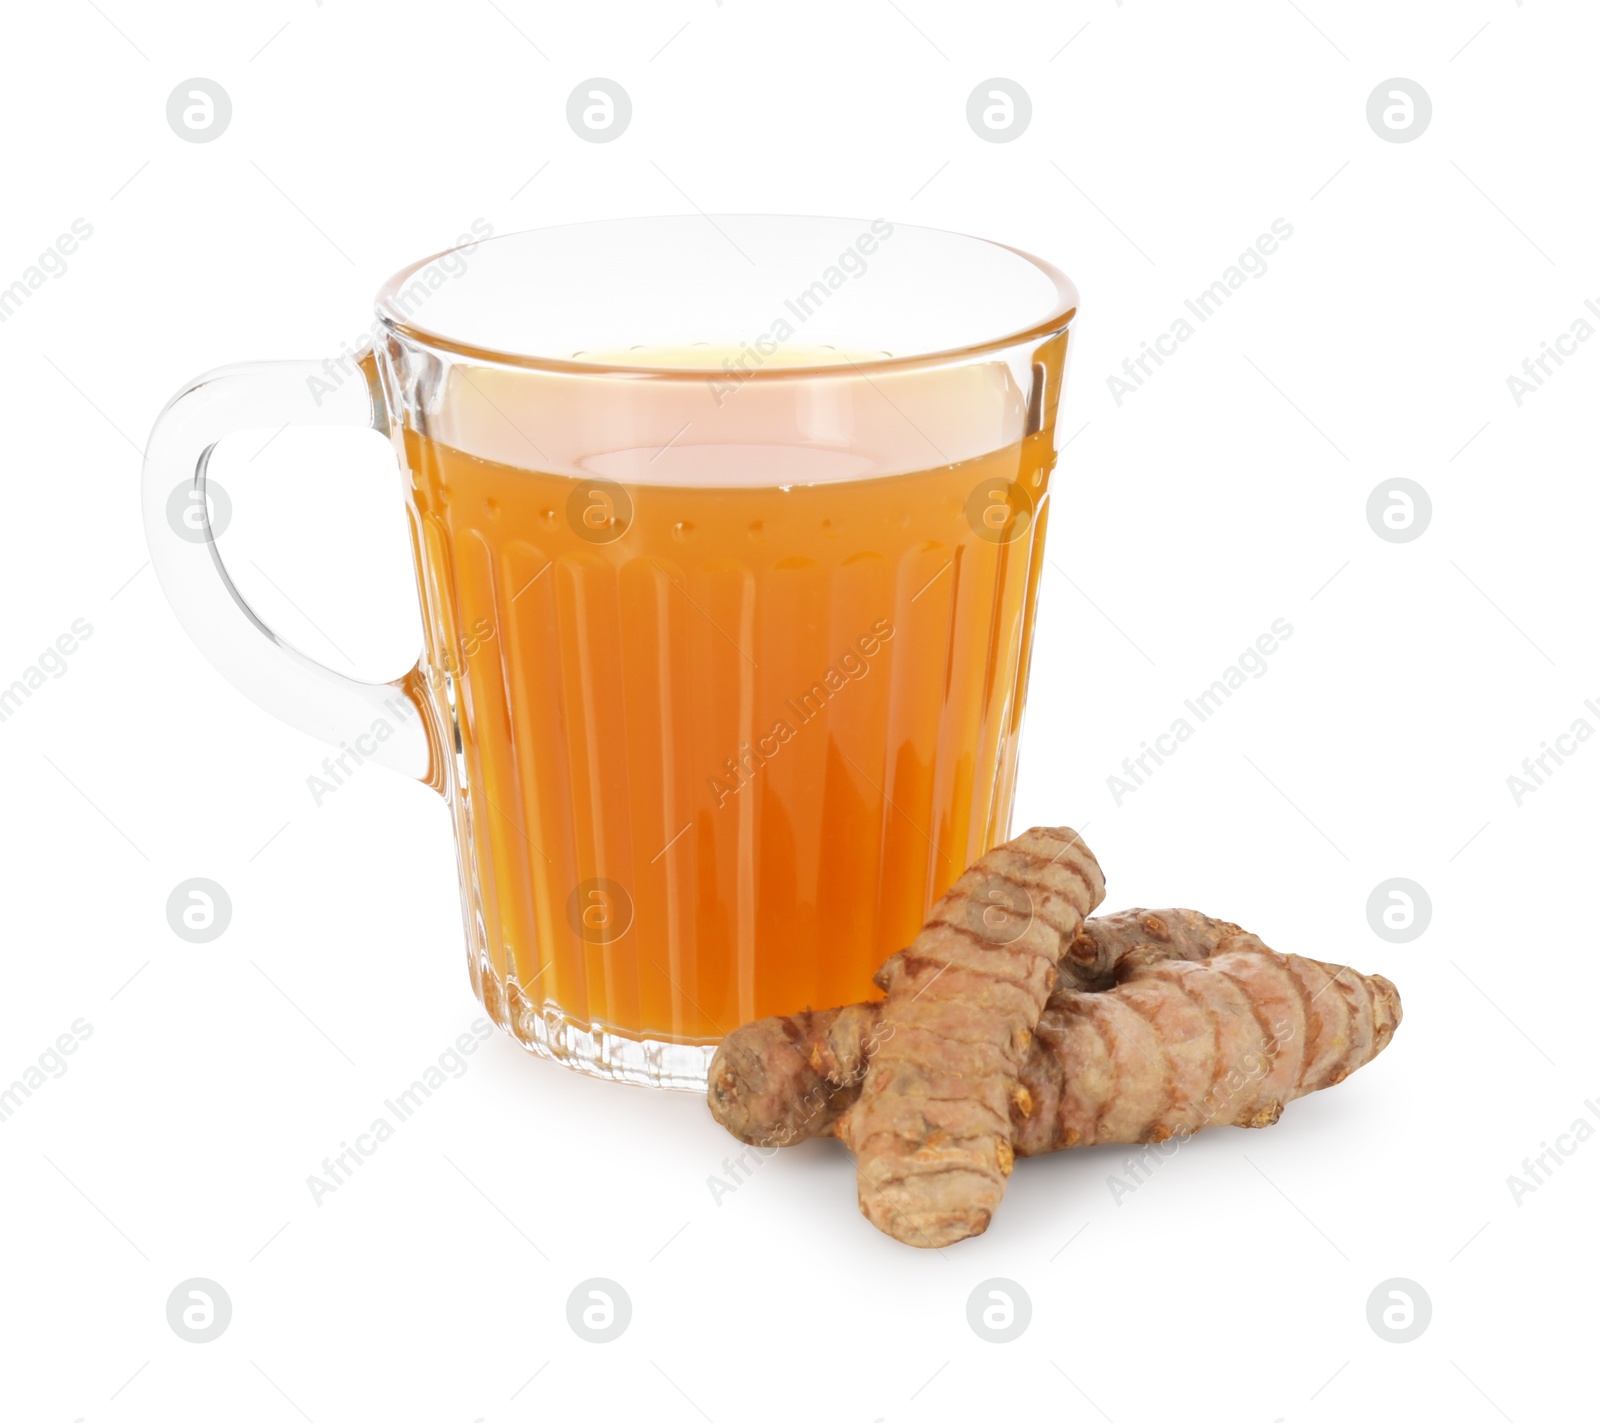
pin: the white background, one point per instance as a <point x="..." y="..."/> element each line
<point x="1229" y="491"/>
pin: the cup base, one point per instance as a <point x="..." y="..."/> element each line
<point x="547" y="1032"/>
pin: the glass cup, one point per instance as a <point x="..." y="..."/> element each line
<point x="728" y="533"/>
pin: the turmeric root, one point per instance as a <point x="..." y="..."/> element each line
<point x="1205" y="1025"/>
<point x="931" y="1126"/>
<point x="783" y="1080"/>
<point x="1177" y="1046"/>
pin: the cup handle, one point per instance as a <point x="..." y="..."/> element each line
<point x="391" y="723"/>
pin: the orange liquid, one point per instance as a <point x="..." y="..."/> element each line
<point x="774" y="723"/>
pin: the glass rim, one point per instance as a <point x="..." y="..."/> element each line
<point x="1059" y="318"/>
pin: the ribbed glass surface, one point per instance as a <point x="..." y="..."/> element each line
<point x="718" y="748"/>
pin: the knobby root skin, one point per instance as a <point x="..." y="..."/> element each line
<point x="1160" y="1023"/>
<point x="782" y="1080"/>
<point x="931" y="1126"/>
<point x="1230" y="1041"/>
